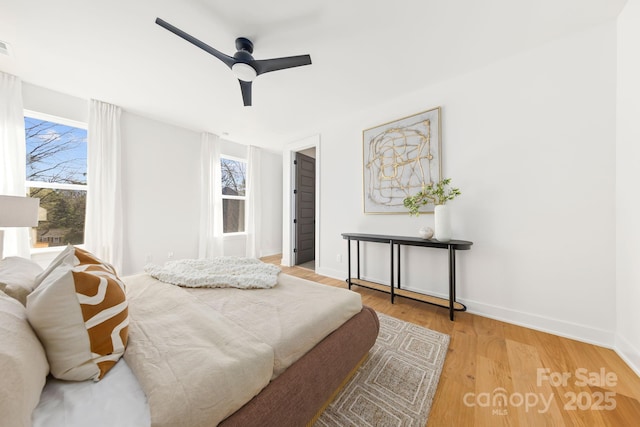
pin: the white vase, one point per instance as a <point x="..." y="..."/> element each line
<point x="442" y="223"/>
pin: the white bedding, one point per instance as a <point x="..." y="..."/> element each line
<point x="116" y="400"/>
<point x="273" y="316"/>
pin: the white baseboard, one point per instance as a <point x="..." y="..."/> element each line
<point x="628" y="353"/>
<point x="330" y="272"/>
<point x="269" y="252"/>
<point x="561" y="328"/>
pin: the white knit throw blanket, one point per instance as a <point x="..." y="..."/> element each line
<point x="221" y="272"/>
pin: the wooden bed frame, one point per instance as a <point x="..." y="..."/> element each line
<point x="299" y="395"/>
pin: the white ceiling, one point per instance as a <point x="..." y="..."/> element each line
<point x="363" y="52"/>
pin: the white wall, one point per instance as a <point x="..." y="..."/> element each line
<point x="42" y="100"/>
<point x="627" y="178"/>
<point x="160" y="175"/>
<point x="271" y="199"/>
<point x="530" y="140"/>
<point x="161" y="167"/>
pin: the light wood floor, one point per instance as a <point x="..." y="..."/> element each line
<point x="488" y="359"/>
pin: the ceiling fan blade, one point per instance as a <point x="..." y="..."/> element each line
<point x="228" y="60"/>
<point x="245" y="87"/>
<point x="265" y="65"/>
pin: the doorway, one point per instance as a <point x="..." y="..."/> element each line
<point x="309" y="146"/>
<point x="305" y="208"/>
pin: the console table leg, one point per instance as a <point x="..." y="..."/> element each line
<point x="452" y="280"/>
<point x="398" y="281"/>
<point x="392" y="292"/>
<point x="349" y="262"/>
<point x="358" y="256"/>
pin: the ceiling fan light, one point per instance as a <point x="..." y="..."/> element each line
<point x="244" y="72"/>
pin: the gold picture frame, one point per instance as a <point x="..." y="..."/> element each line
<point x="398" y="159"/>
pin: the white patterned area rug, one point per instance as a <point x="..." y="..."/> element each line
<point x="396" y="385"/>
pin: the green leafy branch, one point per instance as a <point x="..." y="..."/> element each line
<point x="437" y="194"/>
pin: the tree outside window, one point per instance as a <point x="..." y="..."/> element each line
<point x="234" y="181"/>
<point x="57" y="175"/>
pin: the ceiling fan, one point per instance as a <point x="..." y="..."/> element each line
<point x="242" y="64"/>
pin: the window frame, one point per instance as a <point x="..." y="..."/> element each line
<point x="50" y="185"/>
<point x="231" y="197"/>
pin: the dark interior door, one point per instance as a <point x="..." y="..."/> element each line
<point x="305" y="202"/>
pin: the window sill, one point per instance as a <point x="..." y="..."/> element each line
<point x="234" y="236"/>
<point x="51" y="250"/>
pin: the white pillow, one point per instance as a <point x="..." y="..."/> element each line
<point x="80" y="313"/>
<point x="23" y="365"/>
<point x="18" y="277"/>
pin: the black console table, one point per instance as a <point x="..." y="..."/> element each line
<point x="395" y="289"/>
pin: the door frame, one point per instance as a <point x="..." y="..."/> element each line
<point x="288" y="203"/>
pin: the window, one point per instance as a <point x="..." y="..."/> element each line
<point x="234" y="181"/>
<point x="57" y="175"/>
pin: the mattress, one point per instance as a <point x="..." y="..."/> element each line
<point x="291" y="318"/>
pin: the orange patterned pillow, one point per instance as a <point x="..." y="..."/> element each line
<point x="80" y="313"/>
<point x="73" y="256"/>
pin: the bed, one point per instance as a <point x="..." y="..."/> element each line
<point x="268" y="357"/>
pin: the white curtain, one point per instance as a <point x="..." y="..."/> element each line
<point x="103" y="227"/>
<point x="211" y="239"/>
<point x="13" y="158"/>
<point x="253" y="205"/>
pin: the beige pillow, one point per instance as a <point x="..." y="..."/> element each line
<point x="23" y="365"/>
<point x="64" y="257"/>
<point x="18" y="276"/>
<point x="80" y="314"/>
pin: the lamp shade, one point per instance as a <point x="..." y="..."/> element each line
<point x="18" y="211"/>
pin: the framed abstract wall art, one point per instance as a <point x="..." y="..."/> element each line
<point x="399" y="158"/>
